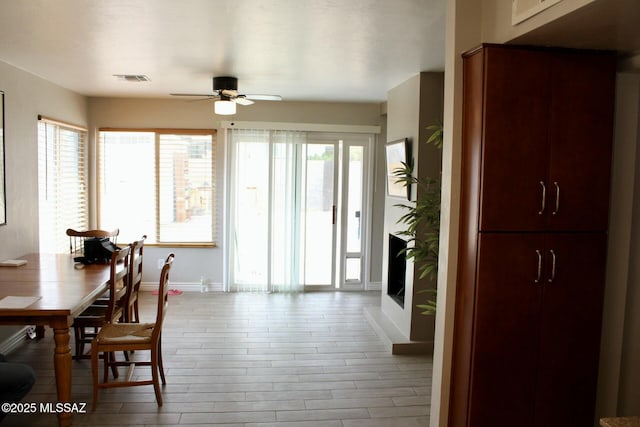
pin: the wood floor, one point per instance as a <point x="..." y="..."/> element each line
<point x="250" y="360"/>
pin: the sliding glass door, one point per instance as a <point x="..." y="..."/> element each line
<point x="317" y="214"/>
<point x="287" y="193"/>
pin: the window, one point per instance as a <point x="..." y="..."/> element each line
<point x="62" y="182"/>
<point x="160" y="183"/>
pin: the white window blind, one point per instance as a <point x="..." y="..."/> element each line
<point x="166" y="178"/>
<point x="62" y="182"/>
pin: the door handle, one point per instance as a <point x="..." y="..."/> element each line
<point x="544" y="198"/>
<point x="553" y="266"/>
<point x="557" y="198"/>
<point x="334" y="213"/>
<point x="539" y="276"/>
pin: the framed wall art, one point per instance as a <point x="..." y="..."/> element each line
<point x="3" y="199"/>
<point x="397" y="154"/>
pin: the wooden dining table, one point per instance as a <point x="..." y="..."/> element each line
<point x="62" y="289"/>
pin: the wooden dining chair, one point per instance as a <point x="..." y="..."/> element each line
<point x="132" y="313"/>
<point x="77" y="238"/>
<point x="129" y="337"/>
<point x="87" y="324"/>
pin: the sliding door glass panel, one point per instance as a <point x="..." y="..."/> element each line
<point x="318" y="203"/>
<point x="353" y="265"/>
<point x="354" y="200"/>
<point x="251" y="231"/>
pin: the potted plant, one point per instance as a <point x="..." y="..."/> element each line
<point x="422" y="220"/>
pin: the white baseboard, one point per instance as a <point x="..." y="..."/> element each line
<point x="219" y="287"/>
<point x="374" y="286"/>
<point x="183" y="286"/>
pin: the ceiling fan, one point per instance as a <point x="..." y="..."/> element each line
<point x="226" y="96"/>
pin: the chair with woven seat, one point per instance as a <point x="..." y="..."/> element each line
<point x="128" y="337"/>
<point x="132" y="313"/>
<point x="97" y="315"/>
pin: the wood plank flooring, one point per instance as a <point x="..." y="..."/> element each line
<point x="254" y="360"/>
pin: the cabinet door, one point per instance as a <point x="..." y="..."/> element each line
<point x="515" y="151"/>
<point x="581" y="135"/>
<point x="570" y="329"/>
<point x="505" y="342"/>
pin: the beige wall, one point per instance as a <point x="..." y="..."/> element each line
<point x="178" y="112"/>
<point x="463" y="32"/>
<point x="27" y="96"/>
<point x="620" y="371"/>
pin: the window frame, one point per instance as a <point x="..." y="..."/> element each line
<point x="44" y="185"/>
<point x="215" y="235"/>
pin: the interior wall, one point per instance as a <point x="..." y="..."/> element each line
<point x="25" y="97"/>
<point x="621" y="243"/>
<point x="403" y="113"/>
<point x="411" y="107"/>
<point x="463" y="32"/>
<point x="628" y="132"/>
<point x="429" y="165"/>
<point x="193" y="263"/>
<point x="377" y="205"/>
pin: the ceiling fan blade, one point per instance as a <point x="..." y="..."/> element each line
<point x="242" y="100"/>
<point x="197" y="97"/>
<point x="259" y="97"/>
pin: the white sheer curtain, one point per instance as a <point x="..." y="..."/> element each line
<point x="265" y="210"/>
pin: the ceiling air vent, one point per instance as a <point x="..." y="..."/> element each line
<point x="525" y="9"/>
<point x="136" y="78"/>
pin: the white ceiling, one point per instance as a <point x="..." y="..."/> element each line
<point x="311" y="50"/>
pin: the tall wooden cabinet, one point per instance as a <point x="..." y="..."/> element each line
<point x="537" y="136"/>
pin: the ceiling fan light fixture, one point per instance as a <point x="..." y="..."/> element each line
<point x="224" y="107"/>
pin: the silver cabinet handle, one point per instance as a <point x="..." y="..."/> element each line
<point x="544" y="197"/>
<point x="537" y="280"/>
<point x="553" y="266"/>
<point x="557" y="198"/>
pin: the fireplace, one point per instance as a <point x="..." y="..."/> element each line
<point x="397" y="269"/>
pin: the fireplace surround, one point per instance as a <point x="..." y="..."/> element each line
<point x="396" y="274"/>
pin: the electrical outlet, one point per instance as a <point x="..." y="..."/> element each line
<point x="31" y="332"/>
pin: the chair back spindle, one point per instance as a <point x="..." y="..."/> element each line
<point x="132" y="313"/>
<point x="77" y="238"/>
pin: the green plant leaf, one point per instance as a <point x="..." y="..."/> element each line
<point x="436" y="137"/>
<point x="421" y="219"/>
